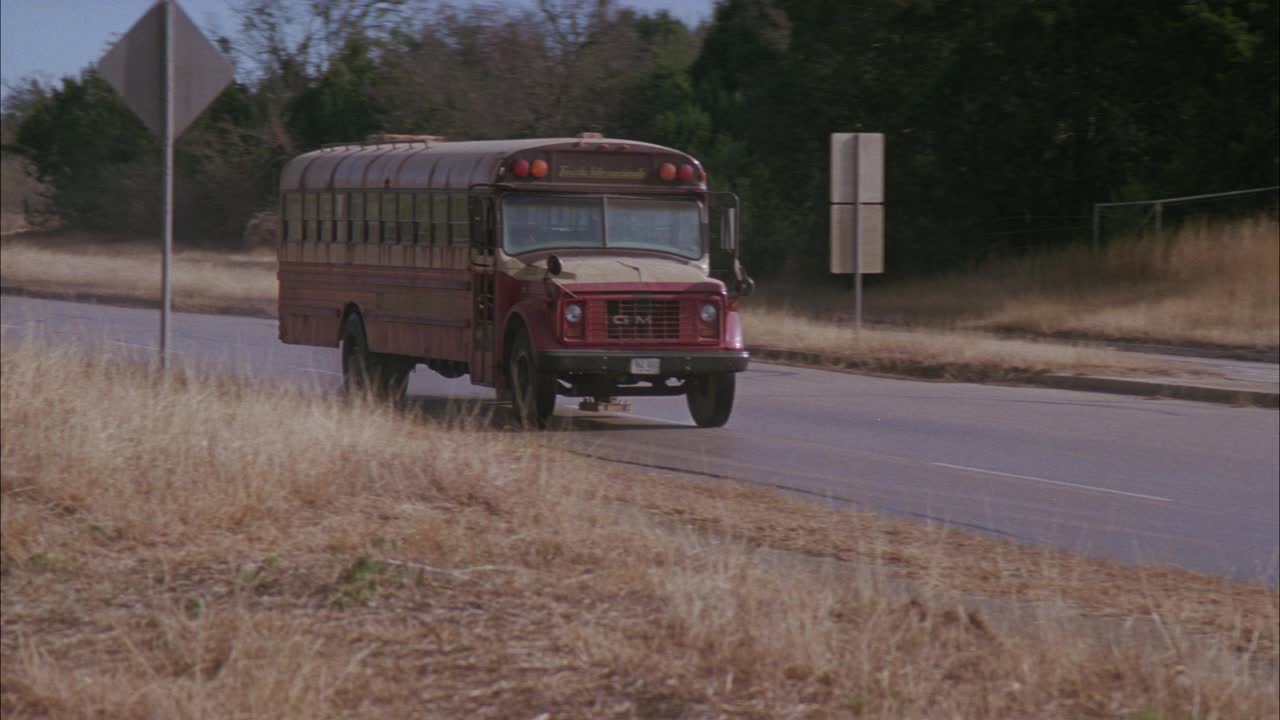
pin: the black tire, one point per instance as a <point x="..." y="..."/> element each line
<point x="710" y="398"/>
<point x="357" y="361"/>
<point x="394" y="377"/>
<point x="385" y="377"/>
<point x="533" y="394"/>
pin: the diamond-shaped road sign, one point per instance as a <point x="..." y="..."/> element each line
<point x="135" y="67"/>
<point x="167" y="72"/>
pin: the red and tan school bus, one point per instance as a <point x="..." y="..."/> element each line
<point x="565" y="266"/>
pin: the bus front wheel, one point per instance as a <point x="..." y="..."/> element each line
<point x="533" y="394"/>
<point x="710" y="398"/>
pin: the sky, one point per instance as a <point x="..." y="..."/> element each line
<point x="47" y="39"/>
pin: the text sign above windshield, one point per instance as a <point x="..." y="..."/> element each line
<point x="601" y="167"/>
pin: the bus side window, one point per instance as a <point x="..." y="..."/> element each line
<point x="482" y="224"/>
<point x="422" y="212"/>
<point x="372" y="215"/>
<point x="326" y="217"/>
<point x="309" y="233"/>
<point x="459" y="220"/>
<point x="440" y="218"/>
<point x="406" y="218"/>
<point x="293" y="217"/>
<point x="389" y="216"/>
<point x="357" y="217"/>
<point x="340" y="217"/>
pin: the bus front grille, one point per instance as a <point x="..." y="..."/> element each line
<point x="639" y="319"/>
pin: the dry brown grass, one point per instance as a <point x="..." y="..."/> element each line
<point x="945" y="354"/>
<point x="202" y="547"/>
<point x="84" y="267"/>
<point x="1204" y="284"/>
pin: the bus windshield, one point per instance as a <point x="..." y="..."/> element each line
<point x="541" y="222"/>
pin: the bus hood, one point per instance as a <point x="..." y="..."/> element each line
<point x="622" y="270"/>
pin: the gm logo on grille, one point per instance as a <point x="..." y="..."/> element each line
<point x="631" y="320"/>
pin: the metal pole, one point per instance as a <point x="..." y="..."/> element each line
<point x="1097" y="226"/>
<point x="1159" y="219"/>
<point x="168" y="184"/>
<point x="857" y="265"/>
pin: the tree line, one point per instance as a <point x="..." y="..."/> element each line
<point x="1004" y="122"/>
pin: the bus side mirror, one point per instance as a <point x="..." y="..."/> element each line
<point x="743" y="284"/>
<point x="729" y="229"/>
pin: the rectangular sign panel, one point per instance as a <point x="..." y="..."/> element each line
<point x="844" y="225"/>
<point x="857" y="167"/>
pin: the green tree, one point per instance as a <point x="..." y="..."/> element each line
<point x="342" y="104"/>
<point x="91" y="152"/>
<point x="1004" y="122"/>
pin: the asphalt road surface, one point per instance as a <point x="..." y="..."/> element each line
<point x="1136" y="480"/>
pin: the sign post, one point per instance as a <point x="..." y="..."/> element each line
<point x="857" y="209"/>
<point x="166" y="293"/>
<point x="168" y="72"/>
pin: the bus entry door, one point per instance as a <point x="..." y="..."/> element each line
<point x="483" y="259"/>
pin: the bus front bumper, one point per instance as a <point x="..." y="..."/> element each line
<point x="670" y="363"/>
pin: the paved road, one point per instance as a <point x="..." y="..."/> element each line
<point x="1138" y="480"/>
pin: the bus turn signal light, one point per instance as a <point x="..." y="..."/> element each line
<point x="539" y="168"/>
<point x="667" y="172"/>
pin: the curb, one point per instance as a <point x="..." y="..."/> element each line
<point x="1083" y="383"/>
<point x="1157" y="388"/>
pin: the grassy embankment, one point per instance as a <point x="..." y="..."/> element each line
<point x="1217" y="285"/>
<point x="203" y="547"/>
<point x="77" y="267"/>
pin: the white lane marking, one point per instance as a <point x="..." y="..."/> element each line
<point x="657" y="420"/>
<point x="315" y="370"/>
<point x="653" y="419"/>
<point x="623" y="416"/>
<point x="1077" y="486"/>
<point x="129" y="344"/>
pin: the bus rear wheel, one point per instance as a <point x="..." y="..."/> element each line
<point x="385" y="377"/>
<point x="533" y="394"/>
<point x="710" y="398"/>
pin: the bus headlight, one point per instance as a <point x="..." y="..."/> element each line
<point x="573" y="313"/>
<point x="708" y="312"/>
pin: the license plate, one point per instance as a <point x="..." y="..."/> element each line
<point x="645" y="366"/>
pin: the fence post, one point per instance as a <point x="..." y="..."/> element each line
<point x="1097" y="222"/>
<point x="1158" y="209"/>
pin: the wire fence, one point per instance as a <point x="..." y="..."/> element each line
<point x="1156" y="215"/>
